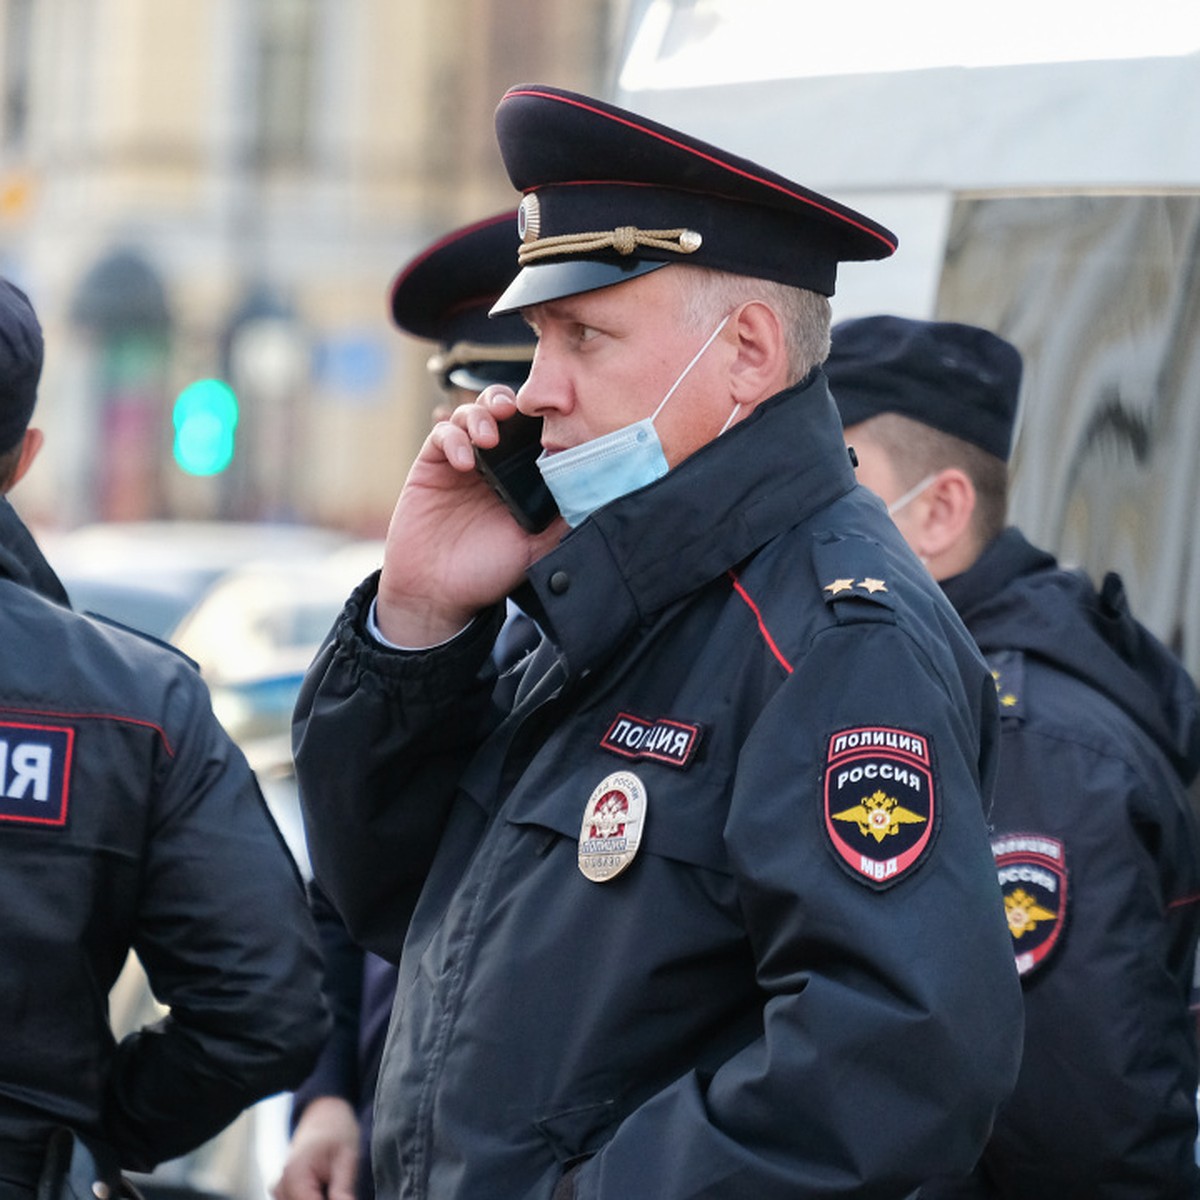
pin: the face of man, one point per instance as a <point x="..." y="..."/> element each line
<point x="606" y="359"/>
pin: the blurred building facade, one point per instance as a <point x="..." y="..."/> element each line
<point x="224" y="190"/>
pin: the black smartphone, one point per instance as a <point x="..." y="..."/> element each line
<point x="511" y="468"/>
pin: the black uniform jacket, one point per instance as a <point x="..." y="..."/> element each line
<point x="1097" y="850"/>
<point x="128" y="819"/>
<point x="801" y="983"/>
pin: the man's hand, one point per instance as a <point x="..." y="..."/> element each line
<point x="322" y="1161"/>
<point x="452" y="547"/>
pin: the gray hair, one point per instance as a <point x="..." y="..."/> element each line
<point x="806" y="316"/>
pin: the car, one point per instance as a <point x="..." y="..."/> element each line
<point x="151" y="574"/>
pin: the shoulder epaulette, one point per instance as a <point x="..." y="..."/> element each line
<point x="1008" y="670"/>
<point x="852" y="575"/>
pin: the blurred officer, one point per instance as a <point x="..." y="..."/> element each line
<point x="443" y="294"/>
<point x="1093" y="837"/>
<point x="127" y="820"/>
<point x="698" y="901"/>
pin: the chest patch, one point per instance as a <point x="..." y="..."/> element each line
<point x="35" y="773"/>
<point x="1033" y="881"/>
<point x="662" y="739"/>
<point x="880" y="807"/>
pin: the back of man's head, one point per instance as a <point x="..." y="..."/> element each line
<point x="21" y="351"/>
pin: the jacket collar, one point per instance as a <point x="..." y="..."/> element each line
<point x="22" y="561"/>
<point x="644" y="551"/>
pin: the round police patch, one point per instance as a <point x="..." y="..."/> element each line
<point x="1033" y="880"/>
<point x="612" y="826"/>
<point x="880" y="810"/>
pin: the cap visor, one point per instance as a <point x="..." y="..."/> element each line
<point x="474" y="377"/>
<point x="553" y="280"/>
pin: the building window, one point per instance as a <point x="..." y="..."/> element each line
<point x="285" y="77"/>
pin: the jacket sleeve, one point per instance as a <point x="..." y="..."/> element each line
<point x="891" y="1024"/>
<point x="373" y="828"/>
<point x="227" y="943"/>
<point x="1110" y="1047"/>
<point x="336" y="1072"/>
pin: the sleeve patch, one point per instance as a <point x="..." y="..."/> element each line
<point x="880" y="804"/>
<point x="35" y="773"/>
<point x="1033" y="880"/>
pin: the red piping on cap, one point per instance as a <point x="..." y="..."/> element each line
<point x="449" y="239"/>
<point x="709" y="158"/>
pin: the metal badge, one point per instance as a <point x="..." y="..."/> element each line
<point x="612" y="826"/>
<point x="529" y="218"/>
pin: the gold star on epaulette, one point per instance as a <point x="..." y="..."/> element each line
<point x="838" y="586"/>
<point x="873" y="585"/>
<point x="1008" y="700"/>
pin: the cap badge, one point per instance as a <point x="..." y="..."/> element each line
<point x="529" y="218"/>
<point x="613" y="822"/>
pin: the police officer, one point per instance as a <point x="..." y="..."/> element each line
<point x="443" y="294"/>
<point x="1094" y="840"/>
<point x="127" y="820"/>
<point x="699" y="901"/>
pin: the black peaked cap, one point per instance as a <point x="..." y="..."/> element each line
<point x="589" y="168"/>
<point x="958" y="378"/>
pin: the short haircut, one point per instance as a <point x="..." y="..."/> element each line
<point x="916" y="450"/>
<point x="709" y="294"/>
<point x="8" y="465"/>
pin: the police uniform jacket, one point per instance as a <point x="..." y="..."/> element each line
<point x="801" y="983"/>
<point x="1097" y="851"/>
<point x="128" y="819"/>
<point x="359" y="987"/>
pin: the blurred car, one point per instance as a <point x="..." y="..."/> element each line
<point x="150" y="574"/>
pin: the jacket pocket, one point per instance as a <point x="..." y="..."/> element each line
<point x="579" y="1132"/>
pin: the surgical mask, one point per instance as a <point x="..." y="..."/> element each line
<point x="913" y="492"/>
<point x="586" y="477"/>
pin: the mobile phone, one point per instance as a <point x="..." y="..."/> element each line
<point x="511" y="468"/>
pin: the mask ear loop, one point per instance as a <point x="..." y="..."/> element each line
<point x="909" y="496"/>
<point x="712" y="337"/>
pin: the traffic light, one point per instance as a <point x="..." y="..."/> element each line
<point x="206" y="416"/>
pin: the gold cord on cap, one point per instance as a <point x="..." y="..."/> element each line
<point x="464" y="353"/>
<point x="624" y="240"/>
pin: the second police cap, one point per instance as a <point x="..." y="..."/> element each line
<point x="960" y="379"/>
<point x="444" y="293"/>
<point x="609" y="195"/>
<point x="21" y="350"/>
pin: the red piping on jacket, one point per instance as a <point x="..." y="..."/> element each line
<point x="766" y="633"/>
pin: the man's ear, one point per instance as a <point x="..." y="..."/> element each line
<point x="30" y="445"/>
<point x="760" y="366"/>
<point x="943" y="516"/>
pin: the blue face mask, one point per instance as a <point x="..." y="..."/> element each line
<point x="586" y="477"/>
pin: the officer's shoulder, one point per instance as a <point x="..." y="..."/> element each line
<point x="856" y="577"/>
<point x="139" y="641"/>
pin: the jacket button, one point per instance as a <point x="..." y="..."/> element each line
<point x="559" y="582"/>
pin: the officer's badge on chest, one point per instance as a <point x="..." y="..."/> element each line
<point x="1033" y="881"/>
<point x="613" y="822"/>
<point x="880" y="809"/>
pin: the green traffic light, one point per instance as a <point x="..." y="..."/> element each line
<point x="206" y="416"/>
